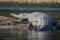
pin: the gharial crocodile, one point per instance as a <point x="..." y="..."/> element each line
<point x="37" y="21"/>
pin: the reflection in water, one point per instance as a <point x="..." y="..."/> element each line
<point x="23" y="34"/>
<point x="42" y="36"/>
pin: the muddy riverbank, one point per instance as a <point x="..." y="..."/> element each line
<point x="10" y="21"/>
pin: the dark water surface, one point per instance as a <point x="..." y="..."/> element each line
<point x="18" y="33"/>
<point x="22" y="8"/>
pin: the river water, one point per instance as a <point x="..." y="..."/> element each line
<point x="17" y="33"/>
<point x="21" y="8"/>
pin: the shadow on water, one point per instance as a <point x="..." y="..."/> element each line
<point x="23" y="34"/>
